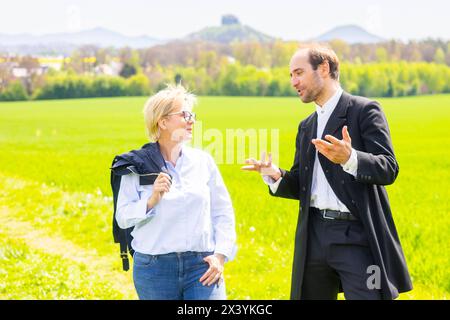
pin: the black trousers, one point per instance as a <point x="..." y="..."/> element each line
<point x="338" y="253"/>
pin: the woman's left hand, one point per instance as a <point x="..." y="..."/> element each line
<point x="215" y="271"/>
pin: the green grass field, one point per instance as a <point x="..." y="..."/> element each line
<point x="55" y="198"/>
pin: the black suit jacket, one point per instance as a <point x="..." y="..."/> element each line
<point x="365" y="195"/>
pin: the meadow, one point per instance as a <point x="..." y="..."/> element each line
<point x="56" y="205"/>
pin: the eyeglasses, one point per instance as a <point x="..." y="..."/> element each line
<point x="188" y="116"/>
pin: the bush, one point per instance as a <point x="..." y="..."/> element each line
<point x="106" y="86"/>
<point x="233" y="79"/>
<point x="65" y="86"/>
<point x="73" y="86"/>
<point x="14" y="92"/>
<point x="137" y="85"/>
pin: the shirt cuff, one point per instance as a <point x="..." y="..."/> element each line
<point x="273" y="185"/>
<point x="227" y="251"/>
<point x="150" y="213"/>
<point x="351" y="166"/>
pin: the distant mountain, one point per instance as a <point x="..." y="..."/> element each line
<point x="350" y="34"/>
<point x="230" y="30"/>
<point x="61" y="41"/>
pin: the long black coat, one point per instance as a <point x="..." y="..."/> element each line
<point x="365" y="195"/>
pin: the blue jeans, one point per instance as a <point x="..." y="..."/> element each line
<point x="174" y="276"/>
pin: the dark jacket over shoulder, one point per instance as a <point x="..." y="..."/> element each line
<point x="146" y="162"/>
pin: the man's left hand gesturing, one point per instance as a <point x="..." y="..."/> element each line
<point x="337" y="151"/>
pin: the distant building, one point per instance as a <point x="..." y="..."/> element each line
<point x="229" y="19"/>
<point x="13" y="70"/>
<point x="111" y="69"/>
<point x="18" y="72"/>
<point x="231" y="59"/>
<point x="52" y="62"/>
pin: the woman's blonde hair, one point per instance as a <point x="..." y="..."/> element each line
<point x="162" y="103"/>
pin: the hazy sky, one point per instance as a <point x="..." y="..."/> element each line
<point x="287" y="19"/>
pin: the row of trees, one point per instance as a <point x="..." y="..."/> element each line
<point x="277" y="53"/>
<point x="235" y="79"/>
<point x="239" y="68"/>
<point x="70" y="85"/>
<point x="262" y="55"/>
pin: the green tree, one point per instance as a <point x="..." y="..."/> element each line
<point x="137" y="85"/>
<point x="128" y="70"/>
<point x="341" y="48"/>
<point x="381" y="54"/>
<point x="439" y="56"/>
<point x="15" y="91"/>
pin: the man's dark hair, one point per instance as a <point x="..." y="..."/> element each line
<point x="318" y="54"/>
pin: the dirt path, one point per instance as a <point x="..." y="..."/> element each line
<point x="39" y="239"/>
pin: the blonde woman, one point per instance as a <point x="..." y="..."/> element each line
<point x="183" y="219"/>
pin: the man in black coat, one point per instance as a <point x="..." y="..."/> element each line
<point x="346" y="239"/>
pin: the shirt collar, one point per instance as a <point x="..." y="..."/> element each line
<point x="180" y="158"/>
<point x="329" y="106"/>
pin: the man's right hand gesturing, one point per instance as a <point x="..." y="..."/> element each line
<point x="264" y="166"/>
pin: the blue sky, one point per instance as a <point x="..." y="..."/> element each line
<point x="287" y="19"/>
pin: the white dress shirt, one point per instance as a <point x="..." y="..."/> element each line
<point x="322" y="195"/>
<point x="195" y="215"/>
